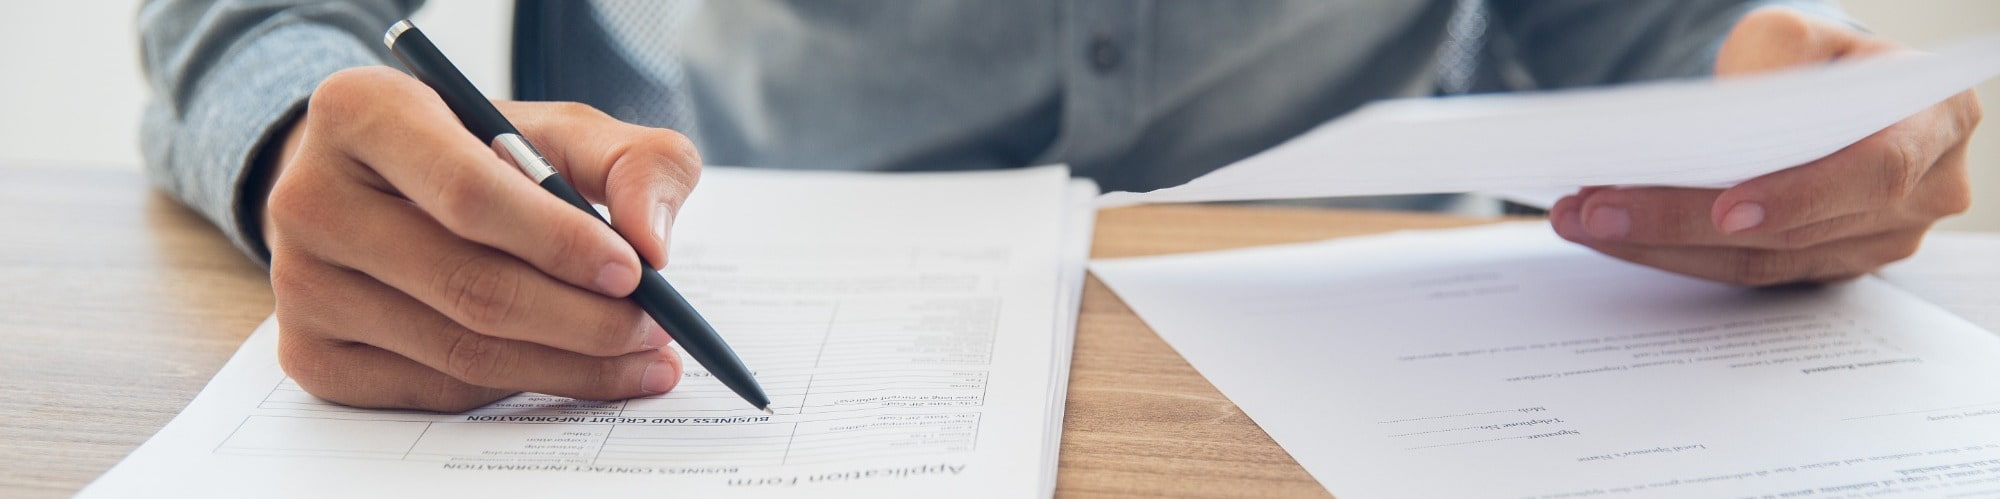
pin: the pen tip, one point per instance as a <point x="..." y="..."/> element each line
<point x="768" y="411"/>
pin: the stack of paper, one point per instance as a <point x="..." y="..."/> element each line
<point x="912" y="330"/>
<point x="1502" y="361"/>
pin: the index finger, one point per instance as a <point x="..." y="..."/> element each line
<point x="406" y="135"/>
<point x="1876" y="172"/>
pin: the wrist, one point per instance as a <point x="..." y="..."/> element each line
<point x="273" y="156"/>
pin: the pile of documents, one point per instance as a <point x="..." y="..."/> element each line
<point x="913" y="331"/>
<point x="1502" y="361"/>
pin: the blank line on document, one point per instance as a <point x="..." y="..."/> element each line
<point x="1920" y="411"/>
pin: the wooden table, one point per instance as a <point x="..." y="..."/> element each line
<point x="117" y="304"/>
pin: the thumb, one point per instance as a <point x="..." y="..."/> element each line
<point x="1773" y="38"/>
<point x="643" y="174"/>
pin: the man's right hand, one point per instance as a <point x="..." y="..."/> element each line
<point x="414" y="268"/>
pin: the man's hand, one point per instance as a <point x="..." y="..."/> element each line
<point x="1836" y="218"/>
<point x="416" y="269"/>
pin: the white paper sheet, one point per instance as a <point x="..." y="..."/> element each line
<point x="1959" y="271"/>
<point x="913" y="331"/>
<point x="1503" y="362"/>
<point x="1079" y="224"/>
<point x="1698" y="133"/>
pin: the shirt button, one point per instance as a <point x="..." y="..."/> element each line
<point x="1104" y="54"/>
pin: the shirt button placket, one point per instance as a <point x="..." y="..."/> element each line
<point x="1104" y="53"/>
<point x="1104" y="72"/>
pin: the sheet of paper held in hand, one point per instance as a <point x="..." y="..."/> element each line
<point x="1502" y="361"/>
<point x="1694" y="133"/>
<point x="913" y="332"/>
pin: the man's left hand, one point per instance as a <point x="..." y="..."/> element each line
<point x="1832" y="219"/>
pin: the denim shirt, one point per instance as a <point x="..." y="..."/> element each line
<point x="1137" y="94"/>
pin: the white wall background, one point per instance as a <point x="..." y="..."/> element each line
<point x="71" y="89"/>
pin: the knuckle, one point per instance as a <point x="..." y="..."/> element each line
<point x="617" y="333"/>
<point x="1952" y="194"/>
<point x="1903" y="247"/>
<point x="445" y="395"/>
<point x="339" y="91"/>
<point x="290" y="280"/>
<point x="572" y="240"/>
<point x="609" y="343"/>
<point x="1673" y="228"/>
<point x="607" y="340"/>
<point x="682" y="158"/>
<point x="688" y="169"/>
<point x="293" y="282"/>
<point x="603" y="379"/>
<point x="1805" y="237"/>
<point x="674" y="140"/>
<point x="305" y="291"/>
<point x="1761" y="268"/>
<point x="346" y="93"/>
<point x="566" y="113"/>
<point x="608" y="381"/>
<point x="476" y="359"/>
<point x="576" y="109"/>
<point x="288" y="205"/>
<point x="1796" y="239"/>
<point x="460" y="199"/>
<point x="481" y="292"/>
<point x="1898" y="171"/>
<point x="299" y="199"/>
<point x="1954" y="201"/>
<point x="1833" y="267"/>
<point x="307" y="361"/>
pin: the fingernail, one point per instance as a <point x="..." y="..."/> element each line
<point x="660" y="222"/>
<point x="659" y="377"/>
<point x="656" y="337"/>
<point x="1742" y="217"/>
<point x="616" y="278"/>
<point x="1608" y="222"/>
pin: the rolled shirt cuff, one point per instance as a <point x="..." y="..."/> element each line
<point x="242" y="104"/>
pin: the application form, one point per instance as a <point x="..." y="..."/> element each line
<point x="1692" y="133"/>
<point x="1501" y="361"/>
<point x="913" y="331"/>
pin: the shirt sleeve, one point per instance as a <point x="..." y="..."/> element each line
<point x="226" y="75"/>
<point x="1565" y="43"/>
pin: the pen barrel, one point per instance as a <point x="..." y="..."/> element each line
<point x="428" y="64"/>
<point x="695" y="336"/>
<point x="666" y="305"/>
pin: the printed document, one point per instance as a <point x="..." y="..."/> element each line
<point x="1690" y="133"/>
<point x="913" y="331"/>
<point x="1502" y="361"/>
<point x="1958" y="271"/>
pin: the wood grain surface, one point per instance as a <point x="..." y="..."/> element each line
<point x="117" y="304"/>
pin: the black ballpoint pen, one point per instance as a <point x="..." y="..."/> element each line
<point x="658" y="298"/>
